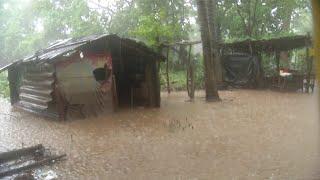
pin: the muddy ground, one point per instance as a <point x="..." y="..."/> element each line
<point x="249" y="135"/>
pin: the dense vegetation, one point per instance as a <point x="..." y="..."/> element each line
<point x="32" y="24"/>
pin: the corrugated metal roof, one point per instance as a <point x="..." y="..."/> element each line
<point x="62" y="47"/>
<point x="70" y="46"/>
<point x="4" y="68"/>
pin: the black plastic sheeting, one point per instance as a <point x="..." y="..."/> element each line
<point x="241" y="70"/>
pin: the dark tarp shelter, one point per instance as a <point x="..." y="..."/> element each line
<point x="255" y="48"/>
<point x="241" y="70"/>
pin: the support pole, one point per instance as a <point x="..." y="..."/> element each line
<point x="278" y="66"/>
<point x="167" y="72"/>
<point x="190" y="75"/>
<point x="309" y="66"/>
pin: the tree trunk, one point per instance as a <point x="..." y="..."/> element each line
<point x="285" y="55"/>
<point x="211" y="8"/>
<point x="210" y="81"/>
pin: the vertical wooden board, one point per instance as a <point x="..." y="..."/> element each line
<point x="153" y="84"/>
<point x="156" y="84"/>
<point x="149" y="82"/>
<point x="13" y="77"/>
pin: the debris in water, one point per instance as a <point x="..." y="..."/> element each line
<point x="26" y="159"/>
<point x="50" y="175"/>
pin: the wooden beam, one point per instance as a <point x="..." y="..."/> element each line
<point x="186" y="43"/>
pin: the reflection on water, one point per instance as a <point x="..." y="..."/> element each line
<point x="249" y="135"/>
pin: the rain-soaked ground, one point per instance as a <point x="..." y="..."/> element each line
<point x="249" y="135"/>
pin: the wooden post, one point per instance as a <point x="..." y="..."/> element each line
<point x="190" y="75"/>
<point x="115" y="100"/>
<point x="250" y="48"/>
<point x="62" y="104"/>
<point x="278" y="66"/>
<point x="13" y="77"/>
<point x="156" y="82"/>
<point x="309" y="68"/>
<point x="309" y="65"/>
<point x="278" y="62"/>
<point x="149" y="81"/>
<point x="167" y="72"/>
<point x="260" y="78"/>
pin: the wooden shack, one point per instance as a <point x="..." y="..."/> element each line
<point x="87" y="75"/>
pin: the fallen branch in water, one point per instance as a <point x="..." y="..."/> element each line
<point x="31" y="166"/>
<point x="15" y="154"/>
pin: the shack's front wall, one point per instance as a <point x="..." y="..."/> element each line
<point x="76" y="81"/>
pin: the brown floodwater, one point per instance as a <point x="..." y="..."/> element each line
<point x="248" y="135"/>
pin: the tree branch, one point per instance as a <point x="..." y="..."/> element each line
<point x="242" y="18"/>
<point x="254" y="15"/>
<point x="103" y="7"/>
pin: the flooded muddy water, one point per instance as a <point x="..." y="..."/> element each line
<point x="249" y="135"/>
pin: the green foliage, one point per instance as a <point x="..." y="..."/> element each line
<point x="258" y="18"/>
<point x="4" y="85"/>
<point x="159" y="21"/>
<point x="298" y="61"/>
<point x="269" y="65"/>
<point x="178" y="77"/>
<point x="177" y="80"/>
